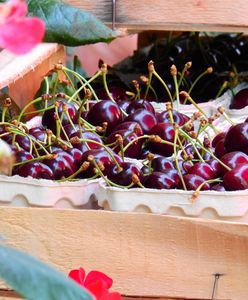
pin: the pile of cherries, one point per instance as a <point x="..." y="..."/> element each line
<point x="109" y="139"/>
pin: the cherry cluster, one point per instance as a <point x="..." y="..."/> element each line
<point x="127" y="143"/>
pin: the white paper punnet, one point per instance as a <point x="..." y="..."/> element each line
<point x="25" y="192"/>
<point x="231" y="206"/>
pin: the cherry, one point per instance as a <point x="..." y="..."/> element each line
<point x="60" y="166"/>
<point x="237" y="178"/>
<point x="218" y="187"/>
<point x="159" y="180"/>
<point x="184" y="166"/>
<point x="145" y="118"/>
<point x="69" y="158"/>
<point x="237" y="137"/>
<point x="167" y="133"/>
<point x="76" y="154"/>
<point x="70" y="130"/>
<point x="34" y="169"/>
<point x="87" y="135"/>
<point x="240" y="100"/>
<point x="233" y="159"/>
<point x="23" y="141"/>
<point x="123" y="104"/>
<point x="217" y="138"/>
<point x="116" y="92"/>
<point x="130" y="126"/>
<point x="105" y="111"/>
<point x="203" y="170"/>
<point x="161" y="164"/>
<point x="100" y="156"/>
<point x="124" y="176"/>
<point x="179" y="118"/>
<point x="134" y="150"/>
<point x="49" y="119"/>
<point x="193" y="181"/>
<point x="39" y="133"/>
<point x="140" y="103"/>
<point x="22" y="156"/>
<point x="220" y="149"/>
<point x="215" y="165"/>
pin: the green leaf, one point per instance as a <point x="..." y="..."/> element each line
<point x="35" y="280"/>
<point x="69" y="25"/>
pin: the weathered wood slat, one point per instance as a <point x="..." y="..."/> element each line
<point x="23" y="74"/>
<point x="145" y="254"/>
<point x="192" y="15"/>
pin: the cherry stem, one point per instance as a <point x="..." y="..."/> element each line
<point x="164" y="84"/>
<point x="177" y="91"/>
<point x="176" y="159"/>
<point x="27" y="106"/>
<point x="197" y="191"/>
<point x="197" y="79"/>
<point x="222" y="88"/>
<point x="48" y="156"/>
<point x="82" y="80"/>
<point x="5" y="109"/>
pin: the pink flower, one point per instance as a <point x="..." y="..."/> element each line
<point x="19" y="34"/>
<point x="97" y="283"/>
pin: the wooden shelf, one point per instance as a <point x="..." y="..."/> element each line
<point x="183" y="15"/>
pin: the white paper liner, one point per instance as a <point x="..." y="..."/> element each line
<point x="232" y="206"/>
<point x="24" y="192"/>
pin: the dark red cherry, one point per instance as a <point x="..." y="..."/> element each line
<point x="49" y="120"/>
<point x="217" y="138"/>
<point x="130" y="126"/>
<point x="193" y="181"/>
<point x="105" y="111"/>
<point x="39" y="133"/>
<point x="92" y="141"/>
<point x="184" y="166"/>
<point x="178" y="117"/>
<point x="145" y="118"/>
<point x="134" y="150"/>
<point x="237" y="138"/>
<point x="70" y="130"/>
<point x="161" y="164"/>
<point x="59" y="166"/>
<point x="69" y="158"/>
<point x="218" y="187"/>
<point x="215" y="165"/>
<point x="203" y="170"/>
<point x="167" y="133"/>
<point x="233" y="159"/>
<point x="159" y="180"/>
<point x="76" y="154"/>
<point x="220" y="149"/>
<point x="140" y="103"/>
<point x="123" y="104"/>
<point x="22" y="156"/>
<point x="236" y="179"/>
<point x="240" y="100"/>
<point x="116" y="92"/>
<point x="100" y="156"/>
<point x="124" y="176"/>
<point x="34" y="169"/>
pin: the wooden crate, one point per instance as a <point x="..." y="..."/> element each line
<point x="147" y="255"/>
<point x="183" y="15"/>
<point x="23" y="74"/>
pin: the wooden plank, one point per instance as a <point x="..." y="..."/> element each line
<point x="191" y="15"/>
<point x="145" y="254"/>
<point x="23" y="74"/>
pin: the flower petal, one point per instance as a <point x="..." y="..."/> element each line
<point x="77" y="275"/>
<point x="111" y="296"/>
<point x="13" y="9"/>
<point x="20" y="36"/>
<point x="97" y="288"/>
<point x="95" y="276"/>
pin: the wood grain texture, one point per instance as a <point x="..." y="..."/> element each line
<point x="147" y="255"/>
<point x="192" y="15"/>
<point x="23" y="74"/>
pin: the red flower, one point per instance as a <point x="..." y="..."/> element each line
<point x="97" y="283"/>
<point x="19" y="34"/>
